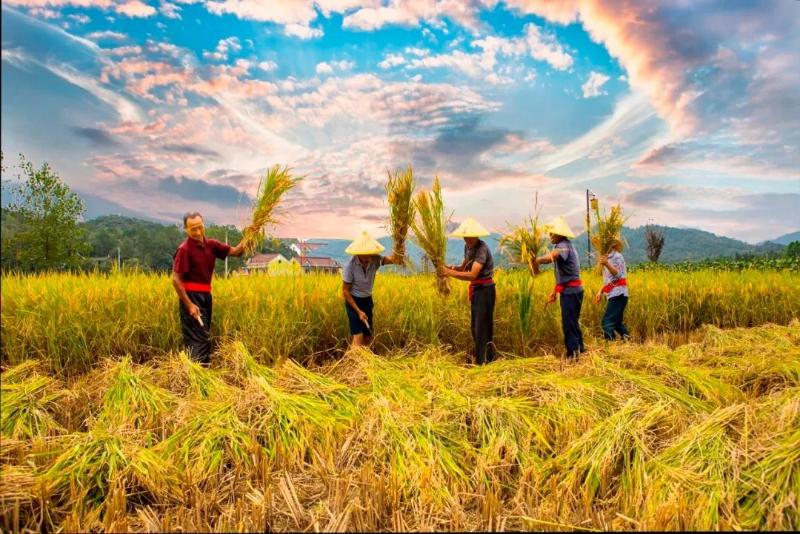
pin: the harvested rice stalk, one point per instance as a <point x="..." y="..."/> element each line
<point x="430" y="230"/>
<point x="270" y="190"/>
<point x="133" y="398"/>
<point x="28" y="406"/>
<point x="399" y="194"/>
<point x="607" y="228"/>
<point x="524" y="242"/>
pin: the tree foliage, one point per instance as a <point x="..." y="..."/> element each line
<point x="45" y="216"/>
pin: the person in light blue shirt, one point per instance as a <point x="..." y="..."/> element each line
<point x="358" y="279"/>
<point x="615" y="288"/>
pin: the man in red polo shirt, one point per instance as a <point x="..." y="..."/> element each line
<point x="192" y="268"/>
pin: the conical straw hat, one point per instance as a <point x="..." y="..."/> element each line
<point x="559" y="226"/>
<point x="364" y="244"/>
<point x="470" y="228"/>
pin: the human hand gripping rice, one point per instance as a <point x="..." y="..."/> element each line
<point x="399" y="195"/>
<point x="430" y="231"/>
<point x="524" y="242"/>
<point x="271" y="189"/>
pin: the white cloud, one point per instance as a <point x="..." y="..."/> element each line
<point x="106" y="36"/>
<point x="44" y="13"/>
<point x="324" y="68"/>
<point x="544" y="47"/>
<point x="302" y="31"/>
<point x="224" y="49"/>
<point x="329" y="67"/>
<point x="170" y="10"/>
<point x="391" y="60"/>
<point x="79" y="18"/>
<point x="268" y="66"/>
<point x="593" y="85"/>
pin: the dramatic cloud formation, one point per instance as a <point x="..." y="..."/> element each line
<point x="683" y="111"/>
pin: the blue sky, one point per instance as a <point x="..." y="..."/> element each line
<point x="685" y="112"/>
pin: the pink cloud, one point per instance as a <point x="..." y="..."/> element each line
<point x="135" y="9"/>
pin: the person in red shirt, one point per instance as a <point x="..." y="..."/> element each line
<point x="192" y="268"/>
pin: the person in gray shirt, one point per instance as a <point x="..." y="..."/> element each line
<point x="565" y="258"/>
<point x="477" y="269"/>
<point x="358" y="279"/>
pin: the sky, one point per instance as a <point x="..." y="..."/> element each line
<point x="685" y="112"/>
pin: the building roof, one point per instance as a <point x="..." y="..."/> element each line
<point x="319" y="261"/>
<point x="305" y="246"/>
<point x="260" y="259"/>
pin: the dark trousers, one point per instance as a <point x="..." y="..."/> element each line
<point x="570" y="317"/>
<point x="482" y="313"/>
<point x="612" y="319"/>
<point x="197" y="338"/>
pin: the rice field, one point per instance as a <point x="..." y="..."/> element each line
<point x="107" y="425"/>
<point x="73" y="321"/>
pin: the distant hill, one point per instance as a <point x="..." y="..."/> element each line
<point x="681" y="244"/>
<point x="686" y="244"/>
<point x="151" y="244"/>
<point x="785" y="239"/>
<point x="335" y="248"/>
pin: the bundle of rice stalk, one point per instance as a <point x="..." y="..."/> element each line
<point x="270" y="191"/>
<point x="212" y="439"/>
<point x="98" y="459"/>
<point x="133" y="398"/>
<point x="523" y="243"/>
<point x="28" y="406"/>
<point x="399" y="194"/>
<point x="430" y="230"/>
<point x="607" y="228"/>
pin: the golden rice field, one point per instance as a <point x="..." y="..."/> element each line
<point x="106" y="425"/>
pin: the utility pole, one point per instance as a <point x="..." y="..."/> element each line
<point x="588" y="232"/>
<point x="119" y="260"/>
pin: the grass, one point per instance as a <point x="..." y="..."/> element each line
<point x="704" y="435"/>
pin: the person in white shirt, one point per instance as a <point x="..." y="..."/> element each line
<point x="615" y="288"/>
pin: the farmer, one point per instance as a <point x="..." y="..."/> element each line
<point x="568" y="283"/>
<point x="358" y="278"/>
<point x="615" y="289"/>
<point x="192" y="268"/>
<point x="477" y="269"/>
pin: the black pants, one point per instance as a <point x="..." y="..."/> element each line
<point x="570" y="317"/>
<point x="197" y="338"/>
<point x="482" y="312"/>
<point x="613" y="318"/>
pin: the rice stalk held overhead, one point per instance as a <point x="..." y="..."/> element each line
<point x="430" y="230"/>
<point x="399" y="195"/>
<point x="277" y="182"/>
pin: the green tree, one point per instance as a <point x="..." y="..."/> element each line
<point x="793" y="249"/>
<point x="48" y="212"/>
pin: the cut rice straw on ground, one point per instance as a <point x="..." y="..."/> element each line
<point x="270" y="191"/>
<point x="430" y="230"/>
<point x="399" y="195"/>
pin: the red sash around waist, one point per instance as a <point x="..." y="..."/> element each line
<point x="616" y="283"/>
<point x="197" y="287"/>
<point x="571" y="283"/>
